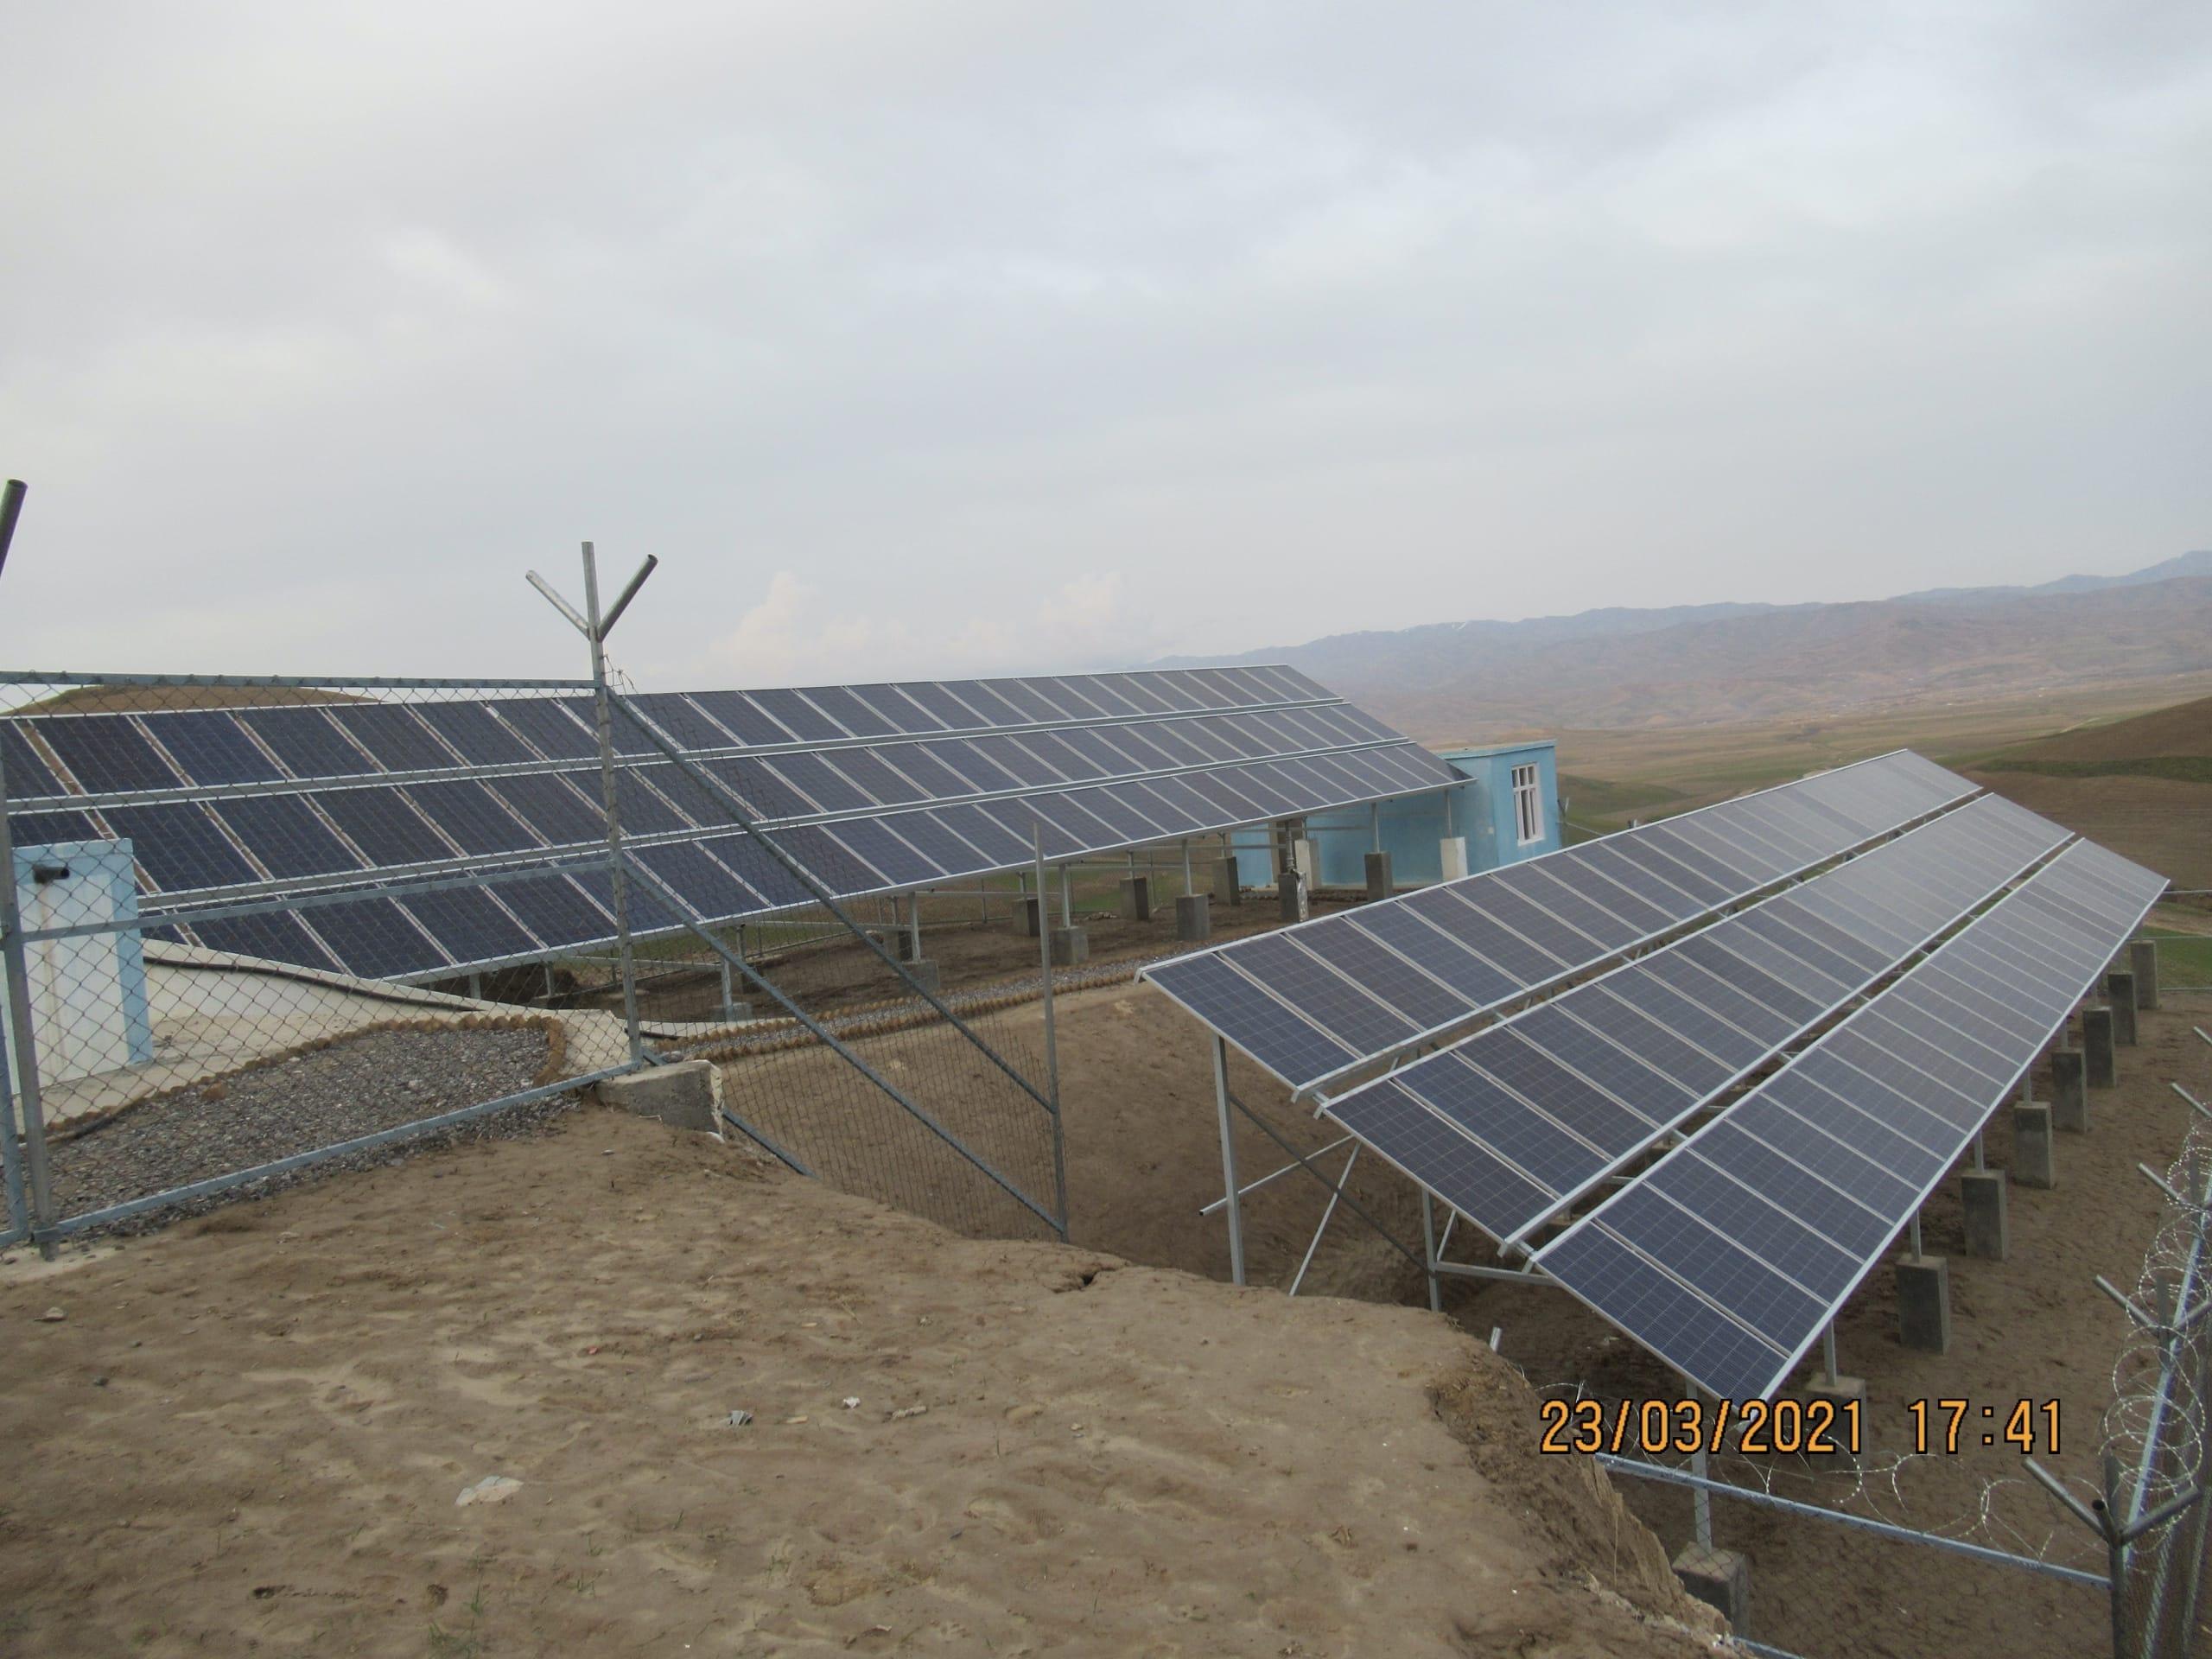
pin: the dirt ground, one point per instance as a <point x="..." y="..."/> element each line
<point x="249" y="1433"/>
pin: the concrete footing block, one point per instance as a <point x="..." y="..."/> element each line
<point x="1379" y="884"/>
<point x="2143" y="958"/>
<point x="1228" y="884"/>
<point x="737" y="1010"/>
<point x="1070" y="945"/>
<point x="2119" y="988"/>
<point x="2069" y="1091"/>
<point x="1924" y="1303"/>
<point x="687" y="1096"/>
<point x="1292" y="890"/>
<point x="1136" y="898"/>
<point x="2034" y="1160"/>
<point x="2097" y="1048"/>
<point x="1842" y="1392"/>
<point x="1028" y="916"/>
<point x="923" y="972"/>
<point x="1193" y="917"/>
<point x="1982" y="1194"/>
<point x="1718" y="1578"/>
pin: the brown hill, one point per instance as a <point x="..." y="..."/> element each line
<point x="2183" y="732"/>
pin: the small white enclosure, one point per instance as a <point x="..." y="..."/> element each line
<point x="87" y="993"/>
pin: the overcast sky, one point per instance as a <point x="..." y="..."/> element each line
<point x="962" y="337"/>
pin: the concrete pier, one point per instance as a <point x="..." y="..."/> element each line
<point x="2143" y="957"/>
<point x="1718" y="1578"/>
<point x="1136" y="898"/>
<point x="923" y="972"/>
<point x="1452" y="857"/>
<point x="1379" y="885"/>
<point x="687" y="1096"/>
<point x="1193" y="917"/>
<point x="1070" y="945"/>
<point x="1981" y="1198"/>
<point x="1227" y="888"/>
<point x="2033" y="1164"/>
<point x="1028" y="914"/>
<point x="2069" y="1091"/>
<point x="2120" y="991"/>
<point x="1291" y="887"/>
<point x="1924" y="1303"/>
<point x="2097" y="1048"/>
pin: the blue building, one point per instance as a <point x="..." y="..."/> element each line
<point x="1507" y="810"/>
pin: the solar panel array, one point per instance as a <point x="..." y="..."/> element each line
<point x="1311" y="1002"/>
<point x="1732" y="1253"/>
<point x="872" y="789"/>
<point x="1517" y="1122"/>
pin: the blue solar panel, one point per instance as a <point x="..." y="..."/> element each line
<point x="385" y="825"/>
<point x="472" y="816"/>
<point x="398" y="740"/>
<point x="28" y="776"/>
<point x="287" y="836"/>
<point x="550" y="730"/>
<point x="107" y="753"/>
<point x="211" y="747"/>
<point x="179" y="847"/>
<point x="307" y="742"/>
<point x="1811" y="1174"/>
<point x="277" y="935"/>
<point x="470" y="925"/>
<point x="479" y="737"/>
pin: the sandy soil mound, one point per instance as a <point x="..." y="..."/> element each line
<point x="252" y="1431"/>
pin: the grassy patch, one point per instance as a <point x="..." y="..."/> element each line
<point x="1598" y="798"/>
<point x="2181" y="768"/>
<point x="2184" y="958"/>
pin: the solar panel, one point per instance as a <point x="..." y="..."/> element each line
<point x="1731" y="1254"/>
<point x="1617" y="1062"/>
<point x="1491" y="937"/>
<point x="989" y="758"/>
<point x="105" y="752"/>
<point x="209" y="746"/>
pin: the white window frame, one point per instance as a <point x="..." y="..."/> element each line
<point x="1529" y="803"/>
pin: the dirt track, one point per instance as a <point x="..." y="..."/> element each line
<point x="251" y="1433"/>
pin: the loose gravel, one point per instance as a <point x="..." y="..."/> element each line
<point x="377" y="1081"/>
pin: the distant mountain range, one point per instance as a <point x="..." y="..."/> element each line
<point x="1693" y="665"/>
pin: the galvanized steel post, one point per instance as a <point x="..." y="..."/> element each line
<point x="604" y="719"/>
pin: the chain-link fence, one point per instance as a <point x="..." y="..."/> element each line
<point x="254" y="925"/>
<point x="2157" y="1449"/>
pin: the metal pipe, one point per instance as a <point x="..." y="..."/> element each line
<point x="1643" y="1471"/>
<point x="1251" y="1187"/>
<point x="1429" y="1242"/>
<point x="11" y="508"/>
<point x="1328" y="1215"/>
<point x="1229" y="1162"/>
<point x="629" y="592"/>
<point x="11" y="1167"/>
<point x="16" y="971"/>
<point x="603" y="719"/>
<point x="1051" y="1037"/>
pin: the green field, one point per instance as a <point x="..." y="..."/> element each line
<point x="2184" y="958"/>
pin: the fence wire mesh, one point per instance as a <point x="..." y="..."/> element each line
<point x="2157" y="1448"/>
<point x="253" y="921"/>
<point x="253" y="924"/>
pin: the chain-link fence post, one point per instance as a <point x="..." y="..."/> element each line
<point x="24" y="1048"/>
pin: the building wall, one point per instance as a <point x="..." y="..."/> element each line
<point x="1481" y="809"/>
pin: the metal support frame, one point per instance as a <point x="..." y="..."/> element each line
<point x="1428" y="1247"/>
<point x="1052" y="1034"/>
<point x="1232" y="1201"/>
<point x="1328" y="1215"/>
<point x="1642" y="1471"/>
<point x="823" y="1034"/>
<point x="741" y="819"/>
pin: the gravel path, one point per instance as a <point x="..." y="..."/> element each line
<point x="376" y="1081"/>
